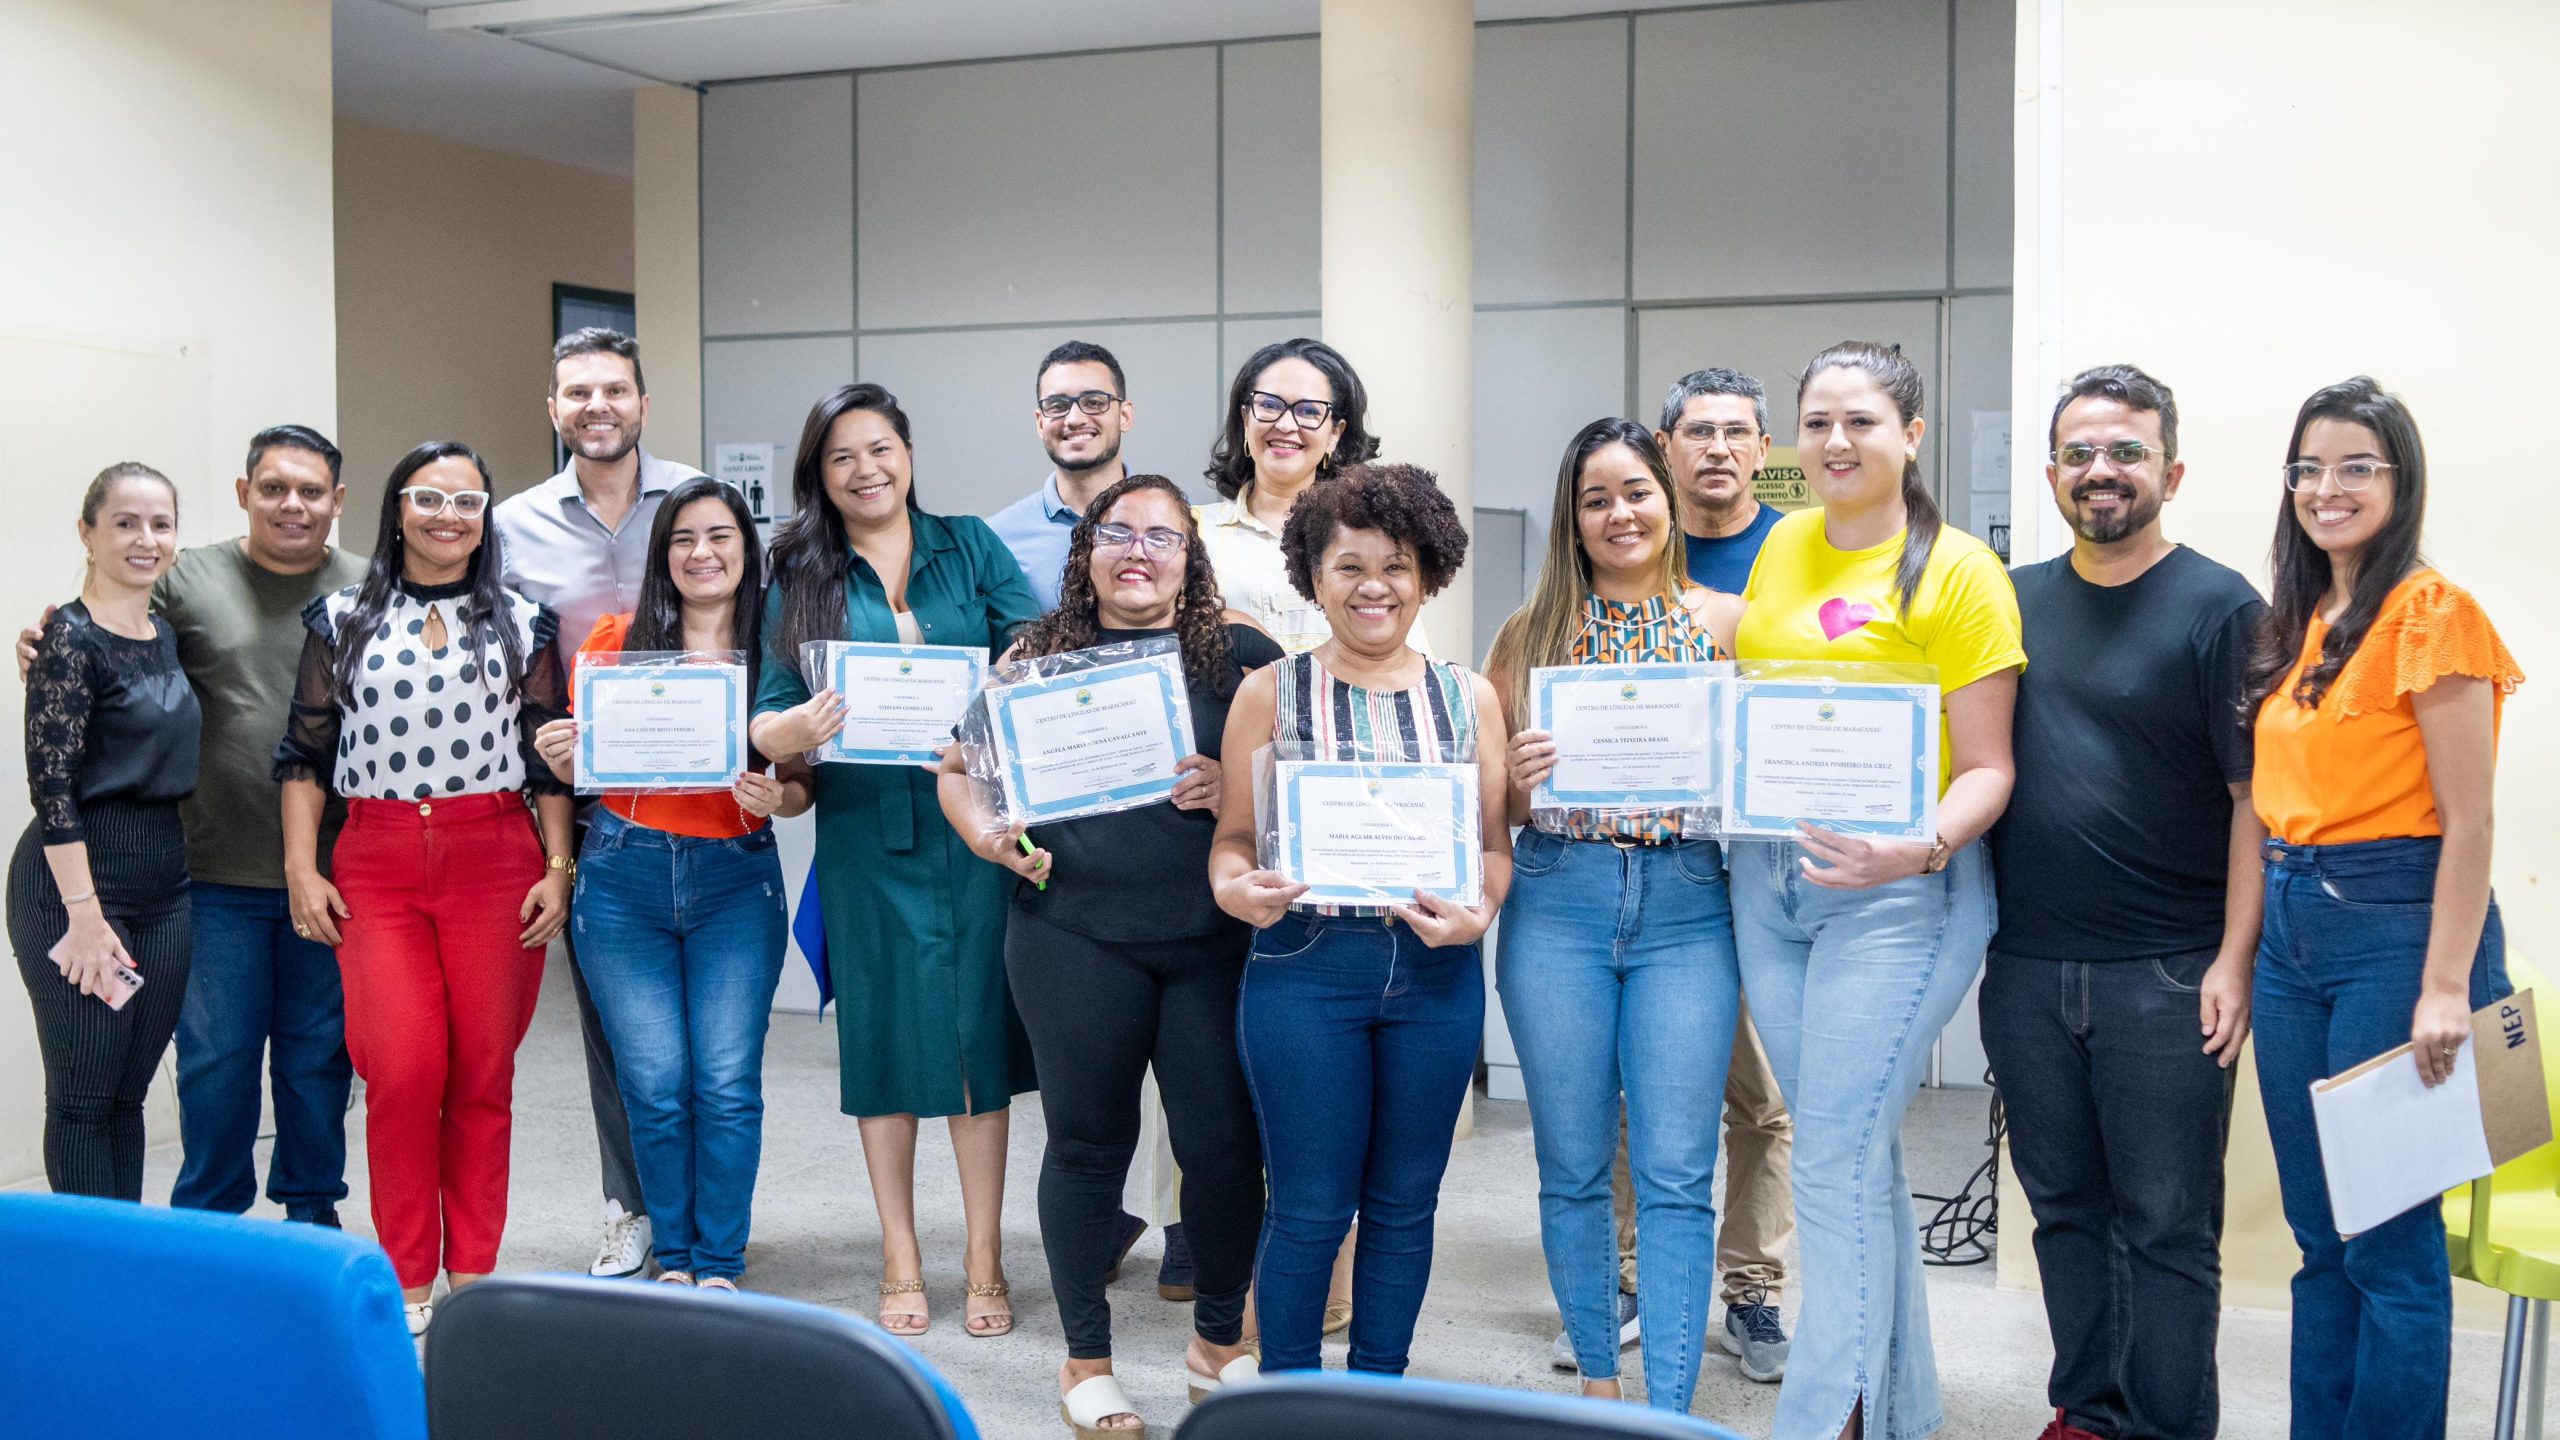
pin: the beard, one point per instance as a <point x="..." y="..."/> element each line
<point x="1067" y="467"/>
<point x="2138" y="511"/>
<point x="608" y="449"/>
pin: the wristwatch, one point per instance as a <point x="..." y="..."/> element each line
<point x="563" y="862"/>
<point x="1938" y="855"/>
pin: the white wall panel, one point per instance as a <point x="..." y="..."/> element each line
<point x="969" y="394"/>
<point x="777" y="207"/>
<point x="759" y="391"/>
<point x="1551" y="162"/>
<point x="1541" y="375"/>
<point x="1986" y="108"/>
<point x="1243" y="337"/>
<point x="1975" y="413"/>
<point x="1272" y="174"/>
<point x="1772" y="343"/>
<point x="1076" y="187"/>
<point x="1791" y="149"/>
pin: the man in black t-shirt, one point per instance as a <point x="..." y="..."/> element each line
<point x="2117" y="993"/>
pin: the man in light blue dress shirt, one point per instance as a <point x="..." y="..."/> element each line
<point x="1080" y="410"/>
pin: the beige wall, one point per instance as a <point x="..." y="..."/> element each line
<point x="446" y="257"/>
<point x="2251" y="202"/>
<point x="666" y="226"/>
<point x="172" y="296"/>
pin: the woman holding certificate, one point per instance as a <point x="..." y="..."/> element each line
<point x="1617" y="966"/>
<point x="1120" y="958"/>
<point x="679" y="904"/>
<point x="2378" y="687"/>
<point x="1363" y="999"/>
<point x="1857" y="946"/>
<point x="420" y="691"/>
<point x="915" y="922"/>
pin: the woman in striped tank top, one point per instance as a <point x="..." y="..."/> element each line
<point x="1358" y="1026"/>
<point x="1617" y="967"/>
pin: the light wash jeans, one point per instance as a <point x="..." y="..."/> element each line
<point x="1617" y="976"/>
<point x="681" y="940"/>
<point x="1849" y="988"/>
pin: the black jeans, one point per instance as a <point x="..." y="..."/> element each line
<point x="2117" y="1120"/>
<point x="1098" y="1013"/>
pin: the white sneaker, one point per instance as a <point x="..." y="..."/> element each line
<point x="419" y="1314"/>
<point x="624" y="1250"/>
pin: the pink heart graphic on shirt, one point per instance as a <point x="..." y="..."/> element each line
<point x="1839" y="616"/>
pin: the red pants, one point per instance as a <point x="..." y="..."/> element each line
<point x="439" y="994"/>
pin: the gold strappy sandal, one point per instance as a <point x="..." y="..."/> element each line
<point x="997" y="1322"/>
<point x="890" y="1320"/>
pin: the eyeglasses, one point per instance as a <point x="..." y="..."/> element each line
<point x="2125" y="453"/>
<point x="1159" y="543"/>
<point x="1699" y="432"/>
<point x="1268" y="408"/>
<point x="2353" y="475"/>
<point x="1091" y="402"/>
<point x="427" y="502"/>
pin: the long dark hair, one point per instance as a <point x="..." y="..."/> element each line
<point x="1899" y="379"/>
<point x="1231" y="461"/>
<point x="2302" y="570"/>
<point x="812" y="557"/>
<point x="1199" y="619"/>
<point x="484" y="600"/>
<point x="658" y="623"/>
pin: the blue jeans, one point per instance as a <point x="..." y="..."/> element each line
<point x="1849" y="988"/>
<point x="1618" y="976"/>
<point x="257" y="991"/>
<point x="2340" y="962"/>
<point x="1358" y="1043"/>
<point x="681" y="940"/>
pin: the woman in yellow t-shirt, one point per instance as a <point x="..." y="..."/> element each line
<point x="1855" y="951"/>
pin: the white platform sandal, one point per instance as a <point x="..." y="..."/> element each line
<point x="1094" y="1400"/>
<point x="1242" y="1370"/>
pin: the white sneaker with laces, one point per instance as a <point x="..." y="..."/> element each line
<point x="624" y="1251"/>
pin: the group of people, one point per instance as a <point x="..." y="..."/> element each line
<point x="298" y="803"/>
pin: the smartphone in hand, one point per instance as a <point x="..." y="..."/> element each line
<point x="123" y="984"/>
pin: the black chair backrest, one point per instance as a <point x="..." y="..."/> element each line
<point x="1363" y="1407"/>
<point x="562" y="1357"/>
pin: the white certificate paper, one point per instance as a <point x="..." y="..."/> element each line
<point x="1859" y="759"/>
<point x="669" y="726"/>
<point x="1090" y="741"/>
<point x="1629" y="736"/>
<point x="900" y="701"/>
<point x="1372" y="833"/>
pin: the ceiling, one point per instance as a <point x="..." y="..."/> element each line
<point x="552" y="78"/>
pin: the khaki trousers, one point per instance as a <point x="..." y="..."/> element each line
<point x="1759" y="1205"/>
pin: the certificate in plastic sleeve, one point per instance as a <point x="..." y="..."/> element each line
<point x="1629" y="736"/>
<point x="1859" y="759"/>
<point x="1090" y="741"/>
<point x="1372" y="833"/>
<point x="665" y="726"/>
<point x="900" y="701"/>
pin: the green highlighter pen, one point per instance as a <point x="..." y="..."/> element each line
<point x="1030" y="849"/>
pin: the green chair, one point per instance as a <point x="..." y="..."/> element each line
<point x="2503" y="1230"/>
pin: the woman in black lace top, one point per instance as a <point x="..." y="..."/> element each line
<point x="98" y="887"/>
<point x="420" y="692"/>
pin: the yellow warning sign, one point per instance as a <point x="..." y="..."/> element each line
<point x="1781" y="483"/>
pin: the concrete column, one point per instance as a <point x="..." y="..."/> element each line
<point x="1398" y="145"/>
<point x="666" y="264"/>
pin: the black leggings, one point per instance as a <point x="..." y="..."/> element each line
<point x="98" y="1062"/>
<point x="1099" y="1012"/>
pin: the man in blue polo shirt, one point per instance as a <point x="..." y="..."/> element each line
<point x="1080" y="410"/>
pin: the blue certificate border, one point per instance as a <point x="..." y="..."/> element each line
<point x="1923" y="779"/>
<point x="1288" y="774"/>
<point x="732" y="680"/>
<point x="1542" y="683"/>
<point x="1165" y="669"/>
<point x="836" y="752"/>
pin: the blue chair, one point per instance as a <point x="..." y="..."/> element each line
<point x="1373" y="1407"/>
<point x="118" y="1320"/>
<point x="565" y="1357"/>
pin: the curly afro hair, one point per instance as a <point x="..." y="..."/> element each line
<point x="1404" y="502"/>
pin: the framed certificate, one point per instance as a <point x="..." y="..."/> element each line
<point x="900" y="701"/>
<point x="1372" y="833"/>
<point x="1090" y="740"/>
<point x="671" y="725"/>
<point x="1859" y="759"/>
<point x="1629" y="736"/>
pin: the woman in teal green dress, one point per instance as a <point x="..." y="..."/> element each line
<point x="915" y="923"/>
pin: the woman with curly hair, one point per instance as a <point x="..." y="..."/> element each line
<point x="1358" y="1025"/>
<point x="1120" y="958"/>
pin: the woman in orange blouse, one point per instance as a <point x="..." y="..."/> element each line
<point x="2378" y="686"/>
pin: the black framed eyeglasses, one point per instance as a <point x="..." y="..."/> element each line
<point x="1091" y="402"/>
<point x="1159" y="543"/>
<point x="1268" y="408"/>
<point x="427" y="502"/>
<point x="2079" y="455"/>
